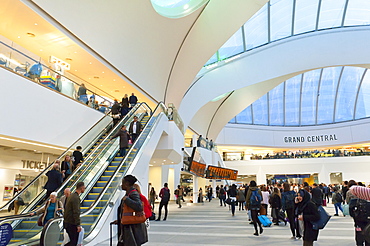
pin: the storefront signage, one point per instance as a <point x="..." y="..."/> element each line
<point x="311" y="138"/>
<point x="6" y="233"/>
<point x="27" y="164"/>
<point x="197" y="168"/>
<point x="221" y="173"/>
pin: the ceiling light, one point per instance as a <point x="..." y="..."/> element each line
<point x="153" y="161"/>
<point x="186" y="6"/>
<point x="101" y="85"/>
<point x="150" y="165"/>
<point x="103" y="72"/>
<point x="164" y="160"/>
<point x="19" y="36"/>
<point x="90" y="62"/>
<point x="40" y="50"/>
<point x="75" y="70"/>
<point x="114" y="80"/>
<point x="35" y="24"/>
<point x="75" y="52"/>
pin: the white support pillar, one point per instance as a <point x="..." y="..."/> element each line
<point x="195" y="189"/>
<point x="260" y="177"/>
<point x="324" y="176"/>
<point x="165" y="173"/>
<point x="194" y="141"/>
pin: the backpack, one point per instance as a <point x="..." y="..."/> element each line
<point x="176" y="192"/>
<point x="255" y="199"/>
<point x="166" y="195"/>
<point x="339" y="197"/>
<point x="147" y="208"/>
<point x="289" y="200"/>
<point x="360" y="210"/>
<point x="222" y="191"/>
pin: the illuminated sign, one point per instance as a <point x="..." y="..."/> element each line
<point x="197" y="168"/>
<point x="311" y="139"/>
<point x="63" y="64"/>
<point x="221" y="173"/>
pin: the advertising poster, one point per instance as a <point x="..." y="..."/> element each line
<point x="8" y="192"/>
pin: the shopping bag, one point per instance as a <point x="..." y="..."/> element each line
<point x="346" y="209"/>
<point x="66" y="237"/>
<point x="81" y="237"/>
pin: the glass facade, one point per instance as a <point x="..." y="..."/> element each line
<point x="279" y="19"/>
<point x="322" y="96"/>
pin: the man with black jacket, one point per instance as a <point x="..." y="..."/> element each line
<point x="135" y="129"/>
<point x="72" y="221"/>
<point x="78" y="157"/>
<point x="317" y="195"/>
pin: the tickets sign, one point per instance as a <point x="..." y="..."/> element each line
<point x="221" y="173"/>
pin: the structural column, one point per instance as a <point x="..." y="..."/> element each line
<point x="195" y="189"/>
<point x="260" y="177"/>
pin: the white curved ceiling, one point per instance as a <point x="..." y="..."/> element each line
<point x="160" y="55"/>
<point x="270" y="64"/>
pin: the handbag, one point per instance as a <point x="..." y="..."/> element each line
<point x="324" y="219"/>
<point x="39" y="221"/>
<point x="131" y="217"/>
<point x="116" y="116"/>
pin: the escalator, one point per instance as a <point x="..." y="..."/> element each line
<point x="100" y="161"/>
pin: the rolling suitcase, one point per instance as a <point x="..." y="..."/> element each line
<point x="324" y="202"/>
<point x="265" y="221"/>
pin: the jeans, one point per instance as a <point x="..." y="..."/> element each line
<point x="72" y="233"/>
<point x="134" y="137"/>
<point x="290" y="214"/>
<point x="222" y="199"/>
<point x="178" y="200"/>
<point x="338" y="205"/>
<point x="161" y="205"/>
<point x="255" y="219"/>
<point x="122" y="151"/>
<point x="233" y="207"/>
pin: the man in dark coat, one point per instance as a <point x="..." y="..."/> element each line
<point x="132" y="100"/>
<point x="78" y="157"/>
<point x="317" y="195"/>
<point x="135" y="129"/>
<point x="55" y="178"/>
<point x="123" y="140"/>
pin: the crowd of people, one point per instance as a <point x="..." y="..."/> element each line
<point x="310" y="154"/>
<point x="298" y="205"/>
<point x="205" y="143"/>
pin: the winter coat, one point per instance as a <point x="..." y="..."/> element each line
<point x="54" y="180"/>
<point x="123" y="138"/>
<point x="310" y="214"/>
<point x="249" y="193"/>
<point x="275" y="201"/>
<point x="317" y="196"/>
<point x="240" y="196"/>
<point x="131" y="235"/>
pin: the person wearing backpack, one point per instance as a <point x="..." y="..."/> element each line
<point x="308" y="213"/>
<point x="253" y="203"/>
<point x="287" y="204"/>
<point x="222" y="195"/>
<point x="164" y="194"/>
<point x="337" y="200"/>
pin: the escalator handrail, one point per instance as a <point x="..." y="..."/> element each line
<point x="132" y="111"/>
<point x="127" y="116"/>
<point x="48" y="167"/>
<point x="97" y="200"/>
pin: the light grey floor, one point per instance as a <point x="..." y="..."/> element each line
<point x="210" y="224"/>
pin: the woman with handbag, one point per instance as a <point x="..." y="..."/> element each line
<point x="52" y="209"/>
<point x="308" y="213"/>
<point x="131" y="218"/>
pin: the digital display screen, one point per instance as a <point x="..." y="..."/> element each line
<point x="197" y="168"/>
<point x="221" y="173"/>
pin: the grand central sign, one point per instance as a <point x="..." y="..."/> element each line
<point x="311" y="138"/>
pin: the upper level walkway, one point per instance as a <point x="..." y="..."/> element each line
<point x="210" y="224"/>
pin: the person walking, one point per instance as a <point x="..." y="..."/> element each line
<point x="253" y="203"/>
<point x="152" y="197"/>
<point x="240" y="198"/>
<point x="132" y="100"/>
<point x="130" y="234"/>
<point x="317" y="195"/>
<point x="308" y="213"/>
<point x="337" y="200"/>
<point x="265" y="200"/>
<point x="209" y="193"/>
<point x="67" y="166"/>
<point x="287" y="205"/>
<point x="124" y="106"/>
<point x="222" y="196"/>
<point x="232" y="193"/>
<point x="200" y="195"/>
<point x="55" y="178"/>
<point x="52" y="209"/>
<point x="275" y="205"/>
<point x="72" y="221"/>
<point x="78" y="157"/>
<point x="179" y="192"/>
<point x="135" y="129"/>
<point x="164" y="194"/>
<point x="123" y="140"/>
